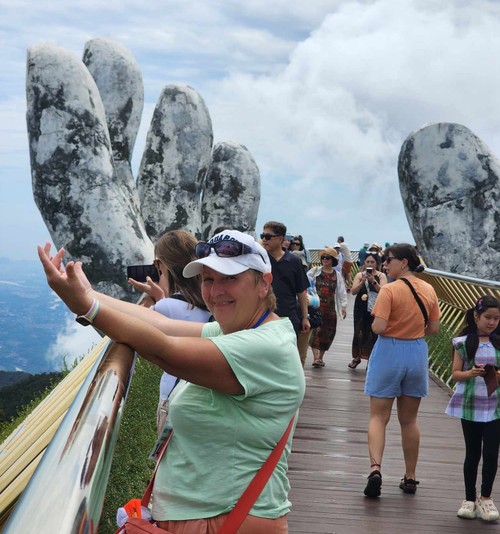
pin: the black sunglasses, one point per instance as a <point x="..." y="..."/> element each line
<point x="226" y="248"/>
<point x="389" y="259"/>
<point x="327" y="257"/>
<point x="267" y="237"/>
<point x="295" y="243"/>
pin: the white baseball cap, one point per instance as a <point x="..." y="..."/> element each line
<point x="254" y="256"/>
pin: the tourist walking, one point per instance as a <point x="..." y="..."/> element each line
<point x="405" y="311"/>
<point x="289" y="280"/>
<point x="476" y="400"/>
<point x="366" y="286"/>
<point x="347" y="263"/>
<point x="333" y="301"/>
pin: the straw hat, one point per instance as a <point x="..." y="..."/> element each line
<point x="328" y="251"/>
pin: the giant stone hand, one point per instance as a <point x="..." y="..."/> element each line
<point x="83" y="119"/>
<point x="449" y="181"/>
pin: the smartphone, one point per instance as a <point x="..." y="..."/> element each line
<point x="139" y="272"/>
<point x="369" y="270"/>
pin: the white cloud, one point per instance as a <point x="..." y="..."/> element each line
<point x="72" y="343"/>
<point x="330" y="125"/>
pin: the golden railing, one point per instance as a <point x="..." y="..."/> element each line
<point x="456" y="294"/>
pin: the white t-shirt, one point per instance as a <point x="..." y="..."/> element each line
<point x="346" y="253"/>
<point x="181" y="310"/>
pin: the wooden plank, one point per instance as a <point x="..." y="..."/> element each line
<point x="329" y="461"/>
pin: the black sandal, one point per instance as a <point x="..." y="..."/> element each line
<point x="354" y="363"/>
<point x="374" y="484"/>
<point x="408" y="485"/>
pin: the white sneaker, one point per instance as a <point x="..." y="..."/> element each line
<point x="467" y="510"/>
<point x="487" y="509"/>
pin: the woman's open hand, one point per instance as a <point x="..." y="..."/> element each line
<point x="149" y="287"/>
<point x="69" y="283"/>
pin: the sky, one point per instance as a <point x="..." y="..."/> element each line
<point x="323" y="93"/>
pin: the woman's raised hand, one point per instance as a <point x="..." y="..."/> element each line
<point x="69" y="283"/>
<point x="149" y="287"/>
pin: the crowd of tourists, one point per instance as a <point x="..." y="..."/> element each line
<point x="230" y="322"/>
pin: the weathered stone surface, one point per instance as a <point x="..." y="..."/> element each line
<point x="232" y="190"/>
<point x="449" y="181"/>
<point x="175" y="162"/>
<point x="84" y="204"/>
<point x="82" y="125"/>
<point x="119" y="80"/>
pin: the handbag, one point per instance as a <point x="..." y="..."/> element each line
<point x="315" y="317"/>
<point x="372" y="297"/>
<point x="419" y="302"/>
<point x="137" y="525"/>
<point x="312" y="296"/>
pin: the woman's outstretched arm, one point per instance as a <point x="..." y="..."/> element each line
<point x="195" y="359"/>
<point x="57" y="274"/>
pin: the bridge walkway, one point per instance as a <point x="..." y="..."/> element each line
<point x="329" y="462"/>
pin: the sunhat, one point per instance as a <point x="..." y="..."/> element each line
<point x="327" y="251"/>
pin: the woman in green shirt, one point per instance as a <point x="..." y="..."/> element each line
<point x="244" y="382"/>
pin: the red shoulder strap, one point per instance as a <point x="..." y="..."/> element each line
<point x="254" y="489"/>
<point x="149" y="490"/>
<point x="250" y="495"/>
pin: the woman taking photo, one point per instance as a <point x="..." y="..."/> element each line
<point x="365" y="286"/>
<point x="174" y="296"/>
<point x="244" y="382"/>
<point x="399" y="361"/>
<point x="333" y="300"/>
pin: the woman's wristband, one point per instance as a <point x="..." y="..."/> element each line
<point x="88" y="318"/>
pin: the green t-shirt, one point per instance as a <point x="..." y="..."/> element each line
<point x="220" y="441"/>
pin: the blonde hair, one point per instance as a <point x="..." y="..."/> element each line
<point x="175" y="249"/>
<point x="270" y="298"/>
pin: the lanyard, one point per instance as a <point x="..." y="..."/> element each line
<point x="262" y="319"/>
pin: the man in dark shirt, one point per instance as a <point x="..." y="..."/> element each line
<point x="289" y="280"/>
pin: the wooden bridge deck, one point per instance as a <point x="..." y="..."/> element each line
<point x="329" y="462"/>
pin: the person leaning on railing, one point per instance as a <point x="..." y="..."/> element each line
<point x="244" y="382"/>
<point x="174" y="296"/>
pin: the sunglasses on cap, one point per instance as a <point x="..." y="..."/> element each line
<point x="268" y="237"/>
<point x="325" y="257"/>
<point x="227" y="248"/>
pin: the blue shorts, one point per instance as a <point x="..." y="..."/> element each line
<point x="398" y="367"/>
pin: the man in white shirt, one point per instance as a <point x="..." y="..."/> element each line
<point x="347" y="265"/>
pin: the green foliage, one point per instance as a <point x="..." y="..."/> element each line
<point x="7" y="378"/>
<point x="15" y="396"/>
<point x="440" y="352"/>
<point x="30" y="401"/>
<point x="131" y="469"/>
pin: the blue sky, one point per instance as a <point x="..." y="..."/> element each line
<point x="323" y="93"/>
